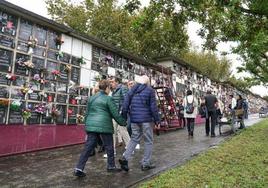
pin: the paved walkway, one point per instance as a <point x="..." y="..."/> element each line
<point x="53" y="168"/>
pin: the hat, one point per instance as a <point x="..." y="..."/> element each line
<point x="143" y="79"/>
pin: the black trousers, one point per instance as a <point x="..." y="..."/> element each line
<point x="92" y="138"/>
<point x="212" y="118"/>
<point x="190" y="125"/>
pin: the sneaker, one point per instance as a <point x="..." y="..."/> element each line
<point x="138" y="147"/>
<point x="114" y="169"/>
<point x="147" y="167"/>
<point x="124" y="164"/>
<point x="79" y="173"/>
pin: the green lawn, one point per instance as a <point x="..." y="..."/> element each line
<point x="239" y="162"/>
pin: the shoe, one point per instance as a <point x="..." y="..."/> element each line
<point x="124" y="164"/>
<point x="207" y="134"/>
<point x="138" y="147"/>
<point x="213" y="135"/>
<point x="192" y="134"/>
<point x="147" y="167"/>
<point x="114" y="169"/>
<point x="241" y="127"/>
<point x="79" y="173"/>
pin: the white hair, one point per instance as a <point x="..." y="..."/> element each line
<point x="143" y="79"/>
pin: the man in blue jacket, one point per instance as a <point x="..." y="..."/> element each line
<point x="140" y="104"/>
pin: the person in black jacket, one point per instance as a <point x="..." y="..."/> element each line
<point x="239" y="106"/>
<point x="211" y="105"/>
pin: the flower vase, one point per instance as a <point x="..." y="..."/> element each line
<point x="30" y="50"/>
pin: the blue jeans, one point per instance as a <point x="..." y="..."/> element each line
<point x="139" y="130"/>
<point x="107" y="139"/>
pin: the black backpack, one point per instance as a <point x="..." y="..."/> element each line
<point x="189" y="109"/>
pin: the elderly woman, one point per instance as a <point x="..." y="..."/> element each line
<point x="100" y="112"/>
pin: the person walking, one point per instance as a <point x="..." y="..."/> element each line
<point x="140" y="104"/>
<point x="240" y="111"/>
<point x="100" y="111"/>
<point x="190" y="104"/>
<point x="211" y="105"/>
<point x="118" y="92"/>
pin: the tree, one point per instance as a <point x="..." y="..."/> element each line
<point x="146" y="32"/>
<point x="209" y="64"/>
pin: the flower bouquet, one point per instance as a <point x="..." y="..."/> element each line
<point x="56" y="73"/>
<point x="59" y="40"/>
<point x="32" y="42"/>
<point x="11" y="77"/>
<point x="4" y="102"/>
<point x="28" y="64"/>
<point x="26" y="113"/>
<point x="80" y="118"/>
<point x="40" y="109"/>
<point x="59" y="55"/>
<point x="26" y="89"/>
<point x="55" y="113"/>
<point x="81" y="61"/>
<point x="15" y="105"/>
<point x="68" y="68"/>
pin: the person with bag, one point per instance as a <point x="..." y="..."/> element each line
<point x="190" y="104"/>
<point x="100" y="111"/>
<point x="239" y="111"/>
<point x="140" y="104"/>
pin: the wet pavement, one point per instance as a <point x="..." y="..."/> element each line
<point x="54" y="168"/>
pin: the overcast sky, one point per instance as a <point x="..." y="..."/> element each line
<point x="39" y="7"/>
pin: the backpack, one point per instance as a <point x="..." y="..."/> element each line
<point x="189" y="109"/>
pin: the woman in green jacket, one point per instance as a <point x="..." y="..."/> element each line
<point x="100" y="111"/>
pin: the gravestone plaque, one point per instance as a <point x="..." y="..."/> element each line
<point x="3" y="113"/>
<point x="84" y="100"/>
<point x="16" y="93"/>
<point x="73" y="90"/>
<point x="50" y="86"/>
<point x="52" y="54"/>
<point x="19" y="81"/>
<point x="75" y="75"/>
<point x="52" y="40"/>
<point x="62" y="117"/>
<point x="22" y="46"/>
<point x="84" y="91"/>
<point x="72" y="111"/>
<point x="25" y="30"/>
<point x="15" y="117"/>
<point x="118" y="62"/>
<point x="75" y="61"/>
<point x="4" y="91"/>
<point x="41" y="35"/>
<point x="95" y="54"/>
<point x="51" y="66"/>
<point x="63" y="73"/>
<point x="20" y="70"/>
<point x="66" y="58"/>
<point x="35" y="117"/>
<point x="3" y="79"/>
<point x="47" y="120"/>
<point x="38" y="51"/>
<point x="82" y="110"/>
<point x="38" y="65"/>
<point x="5" y="60"/>
<point x="103" y="54"/>
<point x="35" y="85"/>
<point x="125" y="64"/>
<point x="34" y="96"/>
<point x="7" y="41"/>
<point x="8" y="23"/>
<point x="61" y="98"/>
<point x="62" y="87"/>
